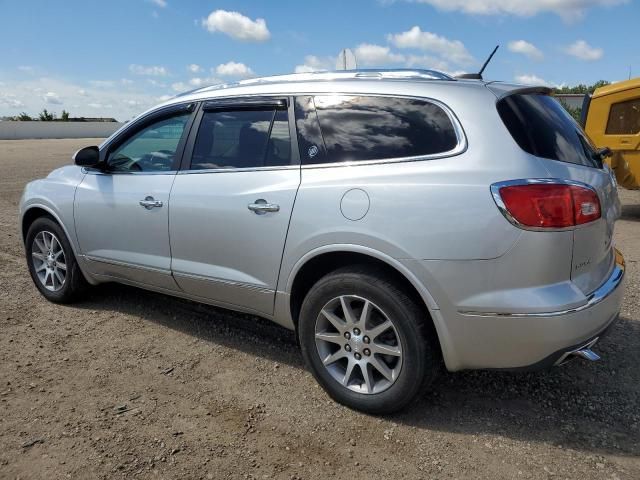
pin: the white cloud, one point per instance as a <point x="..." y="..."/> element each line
<point x="159" y="3"/>
<point x="149" y="70"/>
<point x="237" y="26"/>
<point x="526" y="48"/>
<point x="52" y="98"/>
<point x="101" y="83"/>
<point x="180" y="87"/>
<point x="369" y="54"/>
<point x="194" y="68"/>
<point x="567" y="9"/>
<point x="34" y="94"/>
<point x="533" y="80"/>
<point x="10" y="101"/>
<point x="451" y="50"/>
<point x="315" y="64"/>
<point x="234" y="69"/>
<point x="427" y="61"/>
<point x="584" y="51"/>
<point x="26" y="68"/>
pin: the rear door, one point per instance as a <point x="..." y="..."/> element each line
<point x="542" y="127"/>
<point x="232" y="202"/>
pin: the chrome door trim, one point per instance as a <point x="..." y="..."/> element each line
<point x="600" y="294"/>
<point x="126" y="264"/>
<point x="214" y="280"/>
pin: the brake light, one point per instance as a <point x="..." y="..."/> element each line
<point x="550" y="205"/>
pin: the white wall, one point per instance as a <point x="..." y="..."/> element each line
<point x="20" y="130"/>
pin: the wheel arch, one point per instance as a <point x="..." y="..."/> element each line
<point x="33" y="212"/>
<point x="319" y="262"/>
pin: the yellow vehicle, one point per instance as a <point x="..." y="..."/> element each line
<point x="611" y="118"/>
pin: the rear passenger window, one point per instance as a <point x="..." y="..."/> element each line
<point x="624" y="118"/>
<point x="359" y="128"/>
<point x="242" y="139"/>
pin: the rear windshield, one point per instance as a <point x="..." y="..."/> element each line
<point x="542" y="127"/>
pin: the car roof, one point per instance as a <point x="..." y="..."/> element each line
<point x="409" y="82"/>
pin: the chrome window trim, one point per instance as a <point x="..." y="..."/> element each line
<point x="597" y="296"/>
<point x="94" y="171"/>
<point x="460" y="147"/>
<point x="497" y="198"/>
<point x="235" y="170"/>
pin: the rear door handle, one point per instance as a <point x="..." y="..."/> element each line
<point x="260" y="207"/>
<point x="149" y="202"/>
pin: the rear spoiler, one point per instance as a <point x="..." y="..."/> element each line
<point x="503" y="90"/>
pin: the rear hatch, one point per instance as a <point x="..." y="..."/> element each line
<point x="543" y="128"/>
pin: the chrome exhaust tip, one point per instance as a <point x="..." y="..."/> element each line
<point x="587" y="354"/>
<point x="584" y="352"/>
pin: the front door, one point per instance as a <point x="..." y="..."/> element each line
<point x="122" y="210"/>
<point x="231" y="205"/>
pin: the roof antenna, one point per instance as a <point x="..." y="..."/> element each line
<point x="478" y="76"/>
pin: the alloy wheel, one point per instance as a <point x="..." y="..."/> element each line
<point x="358" y="344"/>
<point x="49" y="263"/>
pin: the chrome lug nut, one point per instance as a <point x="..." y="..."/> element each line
<point x="367" y="352"/>
<point x="347" y="335"/>
<point x="356" y="331"/>
<point x="358" y="356"/>
<point x="366" y="339"/>
<point x="347" y="347"/>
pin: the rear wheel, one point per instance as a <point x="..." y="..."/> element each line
<point x="51" y="262"/>
<point x="364" y="341"/>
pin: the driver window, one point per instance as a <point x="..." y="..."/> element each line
<point x="152" y="149"/>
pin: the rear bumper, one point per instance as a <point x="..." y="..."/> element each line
<point x="534" y="340"/>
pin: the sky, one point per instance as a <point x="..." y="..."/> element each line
<point x="117" y="58"/>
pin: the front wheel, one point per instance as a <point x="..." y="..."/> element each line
<point x="365" y="341"/>
<point x="51" y="262"/>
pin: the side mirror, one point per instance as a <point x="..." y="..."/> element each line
<point x="87" y="157"/>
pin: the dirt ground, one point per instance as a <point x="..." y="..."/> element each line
<point x="131" y="384"/>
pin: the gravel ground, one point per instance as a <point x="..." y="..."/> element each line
<point x="131" y="384"/>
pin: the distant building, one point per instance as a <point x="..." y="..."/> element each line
<point x="571" y="100"/>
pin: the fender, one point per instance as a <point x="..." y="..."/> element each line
<point x="392" y="262"/>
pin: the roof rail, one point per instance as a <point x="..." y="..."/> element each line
<point x="397" y="74"/>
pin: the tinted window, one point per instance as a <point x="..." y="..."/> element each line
<point x="152" y="149"/>
<point x="624" y="118"/>
<point x="242" y="139"/>
<point x="542" y="127"/>
<point x="373" y="128"/>
<point x="310" y="141"/>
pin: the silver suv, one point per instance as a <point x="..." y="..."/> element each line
<point x="396" y="220"/>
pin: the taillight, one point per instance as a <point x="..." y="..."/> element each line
<point x="549" y="205"/>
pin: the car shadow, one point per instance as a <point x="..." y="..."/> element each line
<point x="630" y="212"/>
<point x="584" y="406"/>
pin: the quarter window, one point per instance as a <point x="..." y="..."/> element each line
<point x="152" y="149"/>
<point x="242" y="139"/>
<point x="359" y="128"/>
<point x="624" y="118"/>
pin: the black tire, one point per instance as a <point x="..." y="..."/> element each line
<point x="420" y="355"/>
<point x="74" y="284"/>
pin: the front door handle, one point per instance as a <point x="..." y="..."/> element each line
<point x="149" y="202"/>
<point x="260" y="207"/>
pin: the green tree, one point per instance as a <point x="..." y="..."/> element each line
<point x="578" y="89"/>
<point x="64" y="116"/>
<point x="45" y="116"/>
<point x="23" y="117"/>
